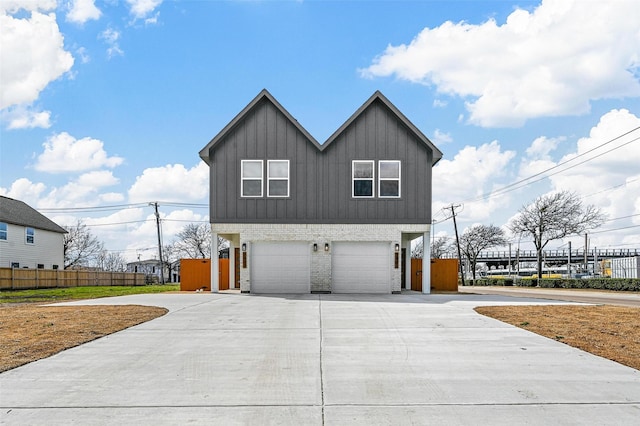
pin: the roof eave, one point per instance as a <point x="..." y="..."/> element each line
<point x="264" y="93"/>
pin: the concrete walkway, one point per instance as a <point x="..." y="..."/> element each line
<point x="321" y="359"/>
<point x="597" y="297"/>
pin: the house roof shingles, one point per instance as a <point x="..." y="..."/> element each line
<point x="19" y="213"/>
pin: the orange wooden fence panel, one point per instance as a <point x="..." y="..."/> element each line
<point x="195" y="274"/>
<point x="444" y="274"/>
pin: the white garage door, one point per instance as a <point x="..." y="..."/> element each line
<point x="360" y="267"/>
<point x="280" y="267"/>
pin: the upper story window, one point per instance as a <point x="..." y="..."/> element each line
<point x="3" y="231"/>
<point x="252" y="172"/>
<point x="389" y="179"/>
<point x="277" y="178"/>
<point x="30" y="235"/>
<point x="362" y="176"/>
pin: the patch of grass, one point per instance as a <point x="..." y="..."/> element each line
<point x="75" y="293"/>
<point x="30" y="332"/>
<point x="612" y="332"/>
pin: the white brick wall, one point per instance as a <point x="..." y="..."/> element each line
<point x="319" y="234"/>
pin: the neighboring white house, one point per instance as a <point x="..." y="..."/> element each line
<point x="28" y="239"/>
<point x="149" y="267"/>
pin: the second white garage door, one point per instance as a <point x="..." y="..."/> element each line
<point x="280" y="267"/>
<point x="360" y="267"/>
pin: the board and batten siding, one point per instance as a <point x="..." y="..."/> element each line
<point x="47" y="249"/>
<point x="320" y="179"/>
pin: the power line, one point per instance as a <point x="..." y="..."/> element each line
<point x="523" y="182"/>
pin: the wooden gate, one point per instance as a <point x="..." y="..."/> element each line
<point x="195" y="274"/>
<point x="444" y="274"/>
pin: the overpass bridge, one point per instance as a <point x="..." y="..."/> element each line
<point x="501" y="259"/>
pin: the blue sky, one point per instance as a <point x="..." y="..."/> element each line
<point x="106" y="103"/>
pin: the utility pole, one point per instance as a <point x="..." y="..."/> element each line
<point x="569" y="261"/>
<point x="586" y="253"/>
<point x="155" y="205"/>
<point x="455" y="227"/>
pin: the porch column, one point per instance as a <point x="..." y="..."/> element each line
<point x="215" y="267"/>
<point x="232" y="264"/>
<point x="407" y="262"/>
<point x="426" y="263"/>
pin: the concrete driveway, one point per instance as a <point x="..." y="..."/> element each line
<point x="321" y="359"/>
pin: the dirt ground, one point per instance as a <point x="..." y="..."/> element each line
<point x="30" y="332"/>
<point x="611" y="332"/>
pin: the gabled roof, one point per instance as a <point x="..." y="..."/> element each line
<point x="264" y="94"/>
<point x="377" y="96"/>
<point x="19" y="213"/>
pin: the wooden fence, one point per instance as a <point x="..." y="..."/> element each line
<point x="444" y="274"/>
<point x="19" y="279"/>
<point x="195" y="274"/>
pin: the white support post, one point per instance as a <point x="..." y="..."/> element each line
<point x="407" y="262"/>
<point x="215" y="265"/>
<point x="426" y="263"/>
<point x="232" y="265"/>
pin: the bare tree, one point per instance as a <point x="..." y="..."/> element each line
<point x="81" y="247"/>
<point x="440" y="247"/>
<point x="194" y="241"/>
<point x="171" y="255"/>
<point x="110" y="261"/>
<point x="553" y="217"/>
<point x="478" y="238"/>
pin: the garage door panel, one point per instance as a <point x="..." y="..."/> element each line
<point x="361" y="267"/>
<point x="280" y="267"/>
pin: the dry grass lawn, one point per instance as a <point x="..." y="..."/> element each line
<point x="611" y="332"/>
<point x="30" y="332"/>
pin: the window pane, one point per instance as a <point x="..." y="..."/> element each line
<point x="252" y="188"/>
<point x="362" y="188"/>
<point x="252" y="169"/>
<point x="3" y="231"/>
<point x="30" y="235"/>
<point x="389" y="169"/>
<point x="389" y="188"/>
<point x="278" y="169"/>
<point x="362" y="170"/>
<point x="278" y="188"/>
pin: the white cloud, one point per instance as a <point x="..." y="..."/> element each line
<point x="549" y="62"/>
<point x="36" y="48"/>
<point x="441" y="138"/>
<point x="24" y="190"/>
<point x="84" y="56"/>
<point x="597" y="177"/>
<point x="64" y="153"/>
<point x="112" y="37"/>
<point x="439" y="103"/>
<point x="82" y="11"/>
<point x="142" y="9"/>
<point x="23" y="117"/>
<point x="83" y="191"/>
<point x="541" y="147"/>
<point x="470" y="174"/>
<point x="171" y="183"/>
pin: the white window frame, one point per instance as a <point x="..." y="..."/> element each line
<point x="4" y="231"/>
<point x="243" y="178"/>
<point x="278" y="178"/>
<point x="31" y="234"/>
<point x="372" y="178"/>
<point x="398" y="179"/>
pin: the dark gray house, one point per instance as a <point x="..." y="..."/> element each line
<point x="307" y="217"/>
